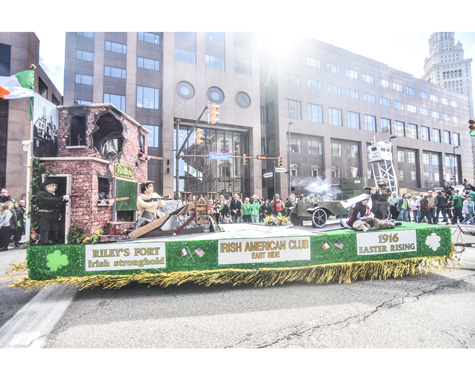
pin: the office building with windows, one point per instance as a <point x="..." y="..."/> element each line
<point x="447" y="67"/>
<point x="316" y="105"/>
<point x="17" y="52"/>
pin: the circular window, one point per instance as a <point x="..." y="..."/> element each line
<point x="185" y="90"/>
<point x="243" y="100"/>
<point x="215" y="95"/>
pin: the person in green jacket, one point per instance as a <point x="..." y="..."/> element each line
<point x="458" y="204"/>
<point x="246" y="211"/>
<point x="255" y="206"/>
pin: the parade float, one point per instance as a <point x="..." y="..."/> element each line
<point x="100" y="159"/>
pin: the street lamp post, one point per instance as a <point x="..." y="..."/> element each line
<point x="455" y="169"/>
<point x="290" y="160"/>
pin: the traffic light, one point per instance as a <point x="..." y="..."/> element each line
<point x="279" y="161"/>
<point x="214" y="113"/>
<point x="244" y="159"/>
<point x="471" y="127"/>
<point x="199" y="136"/>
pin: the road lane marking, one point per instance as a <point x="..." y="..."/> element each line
<point x="30" y="326"/>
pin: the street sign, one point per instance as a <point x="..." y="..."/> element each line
<point x="216" y="156"/>
<point x="280" y="170"/>
<point x="267" y="175"/>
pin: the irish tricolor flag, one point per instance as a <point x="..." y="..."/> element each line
<point x="20" y="85"/>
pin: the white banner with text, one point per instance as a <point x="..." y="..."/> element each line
<point x="377" y="243"/>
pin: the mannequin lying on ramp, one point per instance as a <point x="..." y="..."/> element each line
<point x="363" y="219"/>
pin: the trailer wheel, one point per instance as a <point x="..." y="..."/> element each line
<point x="295" y="219"/>
<point x="319" y="218"/>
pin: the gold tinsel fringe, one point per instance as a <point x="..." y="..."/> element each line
<point x="325" y="273"/>
<point x="16" y="267"/>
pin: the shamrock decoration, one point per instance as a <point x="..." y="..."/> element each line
<point x="433" y="241"/>
<point x="56" y="260"/>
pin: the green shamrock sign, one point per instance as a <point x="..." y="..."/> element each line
<point x="56" y="260"/>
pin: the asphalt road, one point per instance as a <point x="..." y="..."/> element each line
<point x="429" y="311"/>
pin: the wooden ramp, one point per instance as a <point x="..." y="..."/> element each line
<point x="154" y="224"/>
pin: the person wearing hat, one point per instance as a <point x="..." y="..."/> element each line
<point x="5" y="197"/>
<point x="50" y="211"/>
<point x="425" y="209"/>
<point x="148" y="201"/>
<point x="360" y="213"/>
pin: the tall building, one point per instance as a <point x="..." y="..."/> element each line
<point x="315" y="105"/>
<point x="17" y="52"/>
<point x="447" y="67"/>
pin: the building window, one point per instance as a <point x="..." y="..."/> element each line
<point x="447" y="137"/>
<point x="370" y="123"/>
<point x="411" y="91"/>
<point x="397" y="87"/>
<point x="55" y="100"/>
<point x="369" y="98"/>
<point x="334" y="89"/>
<point x="435" y="114"/>
<point x="412" y="131"/>
<point x="295" y="145"/>
<point x="144" y="63"/>
<point x="110" y="71"/>
<point x="84" y="55"/>
<point x="444" y="101"/>
<point x="185" y="55"/>
<point x="152" y="138"/>
<point x="83" y="79"/>
<point x="424" y="111"/>
<point x="147" y="97"/>
<point x="455" y="119"/>
<point x="401" y="175"/>
<point x="385" y="126"/>
<point x="116" y="100"/>
<point x="456" y="139"/>
<point x="423" y="95"/>
<point x="336" y="149"/>
<point x="116" y="47"/>
<point x="445" y="117"/>
<point x="411" y="108"/>
<point x="413" y="175"/>
<point x="333" y="68"/>
<point x="82" y="102"/>
<point x="353" y="151"/>
<point x="368" y="78"/>
<point x="399" y="128"/>
<point x="315" y="113"/>
<point x="214" y="62"/>
<point x="425" y="133"/>
<point x="292" y="78"/>
<point x="434" y="98"/>
<point x="242" y="68"/>
<point x="243" y="100"/>
<point x="43" y="89"/>
<point x="425" y="158"/>
<point x="436" y="135"/>
<point x="435" y="159"/>
<point x="215" y="37"/>
<point x="335" y="116"/>
<point x="453" y="104"/>
<point x="185" y="90"/>
<point x="398" y="105"/>
<point x="385" y="101"/>
<point x="314" y="63"/>
<point x="293" y="109"/>
<point x="215" y="95"/>
<point x="315" y="147"/>
<point x="400" y="156"/>
<point x="149" y="38"/>
<point x="77" y="136"/>
<point x="86" y="35"/>
<point x="352" y="73"/>
<point x="354" y="120"/>
<point x="383" y="83"/>
<point x="313" y="84"/>
<point x="353" y="94"/>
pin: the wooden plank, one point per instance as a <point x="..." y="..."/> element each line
<point x="153" y="225"/>
<point x="161" y="233"/>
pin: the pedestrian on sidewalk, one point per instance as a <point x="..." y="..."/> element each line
<point x="425" y="209"/>
<point x="458" y="204"/>
<point x="6" y="216"/>
<point x="468" y="209"/>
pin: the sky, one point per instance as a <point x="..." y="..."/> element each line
<point x="394" y="33"/>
